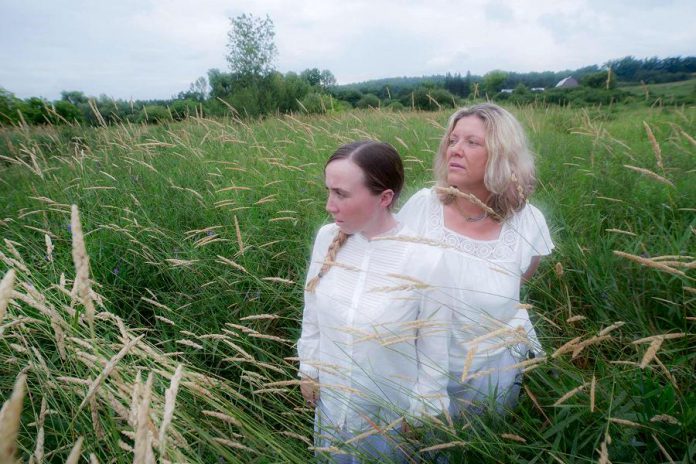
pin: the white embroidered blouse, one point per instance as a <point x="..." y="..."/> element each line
<point x="375" y="331"/>
<point x="487" y="273"/>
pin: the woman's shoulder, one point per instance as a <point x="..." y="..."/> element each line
<point x="530" y="215"/>
<point x="417" y="206"/>
<point x="325" y="235"/>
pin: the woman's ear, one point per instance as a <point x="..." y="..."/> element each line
<point x="386" y="198"/>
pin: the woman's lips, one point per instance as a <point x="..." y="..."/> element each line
<point x="456" y="166"/>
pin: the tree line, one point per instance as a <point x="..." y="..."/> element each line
<point x="252" y="87"/>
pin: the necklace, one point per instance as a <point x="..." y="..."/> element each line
<point x="480" y="217"/>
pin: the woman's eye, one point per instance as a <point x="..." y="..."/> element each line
<point x="452" y="142"/>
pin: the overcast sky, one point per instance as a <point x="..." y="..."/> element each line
<point x="145" y="49"/>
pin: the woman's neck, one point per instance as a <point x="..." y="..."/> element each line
<point x="383" y="223"/>
<point x="469" y="208"/>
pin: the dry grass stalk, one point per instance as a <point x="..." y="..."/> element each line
<point x="627" y="422"/>
<point x="94" y="411"/>
<point x="374" y="430"/>
<point x="527" y="363"/>
<point x="6" y="292"/>
<point x="603" y="451"/>
<point x="667" y="336"/>
<point x="233" y="444"/>
<point x="512" y="436"/>
<point x="442" y="446"/>
<point x="229" y="262"/>
<point x="608" y="329"/>
<point x="108" y="369"/>
<point x="489" y="335"/>
<point x="665" y="418"/>
<point x="83" y="286"/>
<point x="619" y="231"/>
<point x="298" y="437"/>
<point x="650" y="174"/>
<point x="590" y="341"/>
<point x="535" y="401"/>
<point x="593" y="389"/>
<point x="40" y="434"/>
<point x="156" y="303"/>
<point x="181" y="262"/>
<point x="74" y="456"/>
<point x="259" y="317"/>
<point x="165" y="320"/>
<point x="238" y="232"/>
<point x="575" y="319"/>
<point x="453" y="191"/>
<point x="143" y="453"/>
<point x="567" y="346"/>
<point x="279" y="280"/>
<point x="569" y="394"/>
<point x="467" y="363"/>
<point x="11" y="262"/>
<point x="49" y="248"/>
<point x="190" y="343"/>
<point x="169" y="402"/>
<point x="651" y="352"/>
<point x="223" y="417"/>
<point x="649" y="263"/>
<point x="655" y="146"/>
<point x="93" y="459"/>
<point x="659" y="445"/>
<point x="9" y="420"/>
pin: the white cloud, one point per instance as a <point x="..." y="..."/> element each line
<point x="154" y="49"/>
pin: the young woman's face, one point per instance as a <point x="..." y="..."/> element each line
<point x="467" y="154"/>
<point x="351" y="204"/>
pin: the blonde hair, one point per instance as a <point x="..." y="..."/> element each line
<point x="510" y="174"/>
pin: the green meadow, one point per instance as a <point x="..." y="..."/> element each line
<point x="179" y="347"/>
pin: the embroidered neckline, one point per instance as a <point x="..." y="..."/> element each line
<point x="501" y="248"/>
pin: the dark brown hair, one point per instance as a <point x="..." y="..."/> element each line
<point x="379" y="162"/>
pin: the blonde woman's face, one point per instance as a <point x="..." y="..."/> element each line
<point x="467" y="154"/>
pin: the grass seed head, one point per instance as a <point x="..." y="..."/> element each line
<point x="9" y="420"/>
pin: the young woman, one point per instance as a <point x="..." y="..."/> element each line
<point x="375" y="325"/>
<point x="484" y="174"/>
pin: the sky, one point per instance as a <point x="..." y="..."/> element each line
<point x="150" y="49"/>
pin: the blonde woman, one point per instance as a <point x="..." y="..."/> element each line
<point x="484" y="174"/>
<point x="374" y="336"/>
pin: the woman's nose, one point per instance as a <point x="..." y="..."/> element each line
<point x="330" y="207"/>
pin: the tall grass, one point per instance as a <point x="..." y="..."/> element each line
<point x="197" y="235"/>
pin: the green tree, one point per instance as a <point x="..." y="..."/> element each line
<point x="368" y="101"/>
<point x="327" y="79"/>
<point x="312" y="76"/>
<point x="599" y="80"/>
<point x="493" y="82"/>
<point x="251" y="46"/>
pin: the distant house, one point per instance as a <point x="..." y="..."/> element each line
<point x="568" y="83"/>
<point x="537" y="89"/>
<point x="506" y="90"/>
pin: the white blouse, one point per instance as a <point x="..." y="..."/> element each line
<point x="375" y="331"/>
<point x="488" y="276"/>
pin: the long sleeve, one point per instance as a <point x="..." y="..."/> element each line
<point x="430" y="392"/>
<point x="308" y="345"/>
